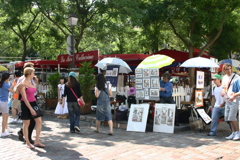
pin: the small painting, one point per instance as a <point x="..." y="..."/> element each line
<point x="154" y="72"/>
<point x="198" y="98"/>
<point x="154" y="92"/>
<point x="146" y="73"/>
<point x="138" y="70"/>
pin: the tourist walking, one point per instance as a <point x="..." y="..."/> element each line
<point x="103" y="112"/>
<point x="73" y="87"/>
<point x="28" y="107"/>
<point x="4" y="91"/>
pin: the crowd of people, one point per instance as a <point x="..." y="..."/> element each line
<point x="225" y="101"/>
<point x="24" y="90"/>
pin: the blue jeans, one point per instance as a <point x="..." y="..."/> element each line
<point x="74" y="115"/>
<point x="216" y="114"/>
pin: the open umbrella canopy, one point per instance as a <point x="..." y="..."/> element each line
<point x="123" y="66"/>
<point x="199" y="62"/>
<point x="156" y="61"/>
<point x="235" y="63"/>
<point x="2" y="68"/>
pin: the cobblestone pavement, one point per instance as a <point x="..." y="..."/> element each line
<point x="123" y="145"/>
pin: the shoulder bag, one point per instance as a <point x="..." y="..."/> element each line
<point x="80" y="102"/>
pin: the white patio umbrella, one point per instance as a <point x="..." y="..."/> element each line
<point x="123" y="66"/>
<point x="199" y="62"/>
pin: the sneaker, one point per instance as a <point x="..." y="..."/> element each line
<point x="19" y="121"/>
<point x="231" y="136"/>
<point x="236" y="136"/>
<point x="13" y="120"/>
<point x="77" y="129"/>
<point x="211" y="134"/>
<point x="9" y="130"/>
<point x="5" y="134"/>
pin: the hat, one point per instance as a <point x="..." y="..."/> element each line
<point x="132" y="91"/>
<point x="217" y="76"/>
<point x="72" y="74"/>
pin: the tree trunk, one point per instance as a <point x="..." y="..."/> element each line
<point x="191" y="71"/>
<point x="24" y="50"/>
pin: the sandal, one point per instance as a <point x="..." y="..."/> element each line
<point x="110" y="133"/>
<point x="30" y="146"/>
<point x="39" y="145"/>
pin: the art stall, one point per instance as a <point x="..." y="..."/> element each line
<point x="147" y="84"/>
<point x="199" y="117"/>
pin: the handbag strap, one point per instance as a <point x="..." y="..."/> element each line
<point x="230" y="81"/>
<point x="74" y="93"/>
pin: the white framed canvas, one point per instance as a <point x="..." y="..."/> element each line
<point x="109" y="73"/>
<point x="115" y="72"/>
<point x="154" y="92"/>
<point x="155" y="83"/>
<point x="138" y="75"/>
<point x="137" y="119"/>
<point x="154" y="72"/>
<point x="146" y="83"/>
<point x="138" y="70"/>
<point x="138" y="81"/>
<point x="138" y="86"/>
<point x="146" y="73"/>
<point x="164" y="117"/>
<point x="200" y="79"/>
<point x="140" y="94"/>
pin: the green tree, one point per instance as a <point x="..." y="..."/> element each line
<point x="198" y="23"/>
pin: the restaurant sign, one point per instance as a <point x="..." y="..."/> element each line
<point x="79" y="57"/>
<point x="86" y="56"/>
<point x="66" y="58"/>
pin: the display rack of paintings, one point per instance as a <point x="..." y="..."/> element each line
<point x="147" y="83"/>
<point x="112" y="74"/>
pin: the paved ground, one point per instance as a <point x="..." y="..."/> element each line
<point x="123" y="145"/>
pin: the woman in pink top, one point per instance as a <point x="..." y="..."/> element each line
<point x="28" y="101"/>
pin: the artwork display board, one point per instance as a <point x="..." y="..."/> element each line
<point x="205" y="117"/>
<point x="147" y="83"/>
<point x="198" y="98"/>
<point x="164" y="118"/>
<point x="200" y="79"/>
<point x="112" y="74"/>
<point x="137" y="119"/>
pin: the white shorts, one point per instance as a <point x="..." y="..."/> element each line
<point x="4" y="107"/>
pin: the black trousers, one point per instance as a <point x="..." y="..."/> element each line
<point x="170" y="100"/>
<point x="30" y="128"/>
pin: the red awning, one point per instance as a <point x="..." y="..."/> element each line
<point x="178" y="55"/>
<point x="126" y="57"/>
<point x="41" y="64"/>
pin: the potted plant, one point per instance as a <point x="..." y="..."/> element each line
<point x="87" y="80"/>
<point x="52" y="94"/>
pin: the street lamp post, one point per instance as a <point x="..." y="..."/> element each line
<point x="72" y="22"/>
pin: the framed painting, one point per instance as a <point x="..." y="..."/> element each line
<point x="164" y="117"/>
<point x="137" y="119"/>
<point x="198" y="98"/>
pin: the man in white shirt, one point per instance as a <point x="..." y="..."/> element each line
<point x="218" y="103"/>
<point x="231" y="107"/>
